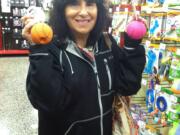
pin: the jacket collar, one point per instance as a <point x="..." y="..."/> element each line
<point x="73" y="49"/>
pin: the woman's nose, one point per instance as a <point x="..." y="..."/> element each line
<point x="83" y="9"/>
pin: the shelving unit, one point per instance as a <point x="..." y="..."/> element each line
<point x="156" y="100"/>
<point x="14" y="52"/>
<point x="11" y="41"/>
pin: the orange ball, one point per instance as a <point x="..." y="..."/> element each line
<point x="41" y="33"/>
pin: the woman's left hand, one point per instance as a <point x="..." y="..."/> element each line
<point x="136" y="16"/>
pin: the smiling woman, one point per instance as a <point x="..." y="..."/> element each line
<point x="81" y="18"/>
<point x="72" y="80"/>
<point x="93" y="10"/>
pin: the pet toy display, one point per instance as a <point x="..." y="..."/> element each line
<point x="159" y="106"/>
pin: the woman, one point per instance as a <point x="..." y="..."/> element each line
<point x="72" y="80"/>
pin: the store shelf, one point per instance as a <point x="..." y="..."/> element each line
<point x="129" y="6"/>
<point x="13" y="52"/>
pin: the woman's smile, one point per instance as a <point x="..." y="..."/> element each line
<point x="81" y="17"/>
<point x="82" y="22"/>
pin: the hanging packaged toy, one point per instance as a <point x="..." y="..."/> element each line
<point x="152" y="3"/>
<point x="115" y="2"/>
<point x="173" y="3"/>
<point x="150" y="100"/>
<point x="151" y="59"/>
<point x="176" y="86"/>
<point x="124" y="1"/>
<point x="173" y="130"/>
<point x="164" y="67"/>
<point x="119" y="22"/>
<point x="173" y="114"/>
<point x="155" y="30"/>
<point x="150" y="96"/>
<point x="172" y="26"/>
<point x="175" y="66"/>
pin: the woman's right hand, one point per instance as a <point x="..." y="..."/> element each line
<point x="28" y="22"/>
<point x="33" y="16"/>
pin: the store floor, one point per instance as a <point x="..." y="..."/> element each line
<point x="17" y="117"/>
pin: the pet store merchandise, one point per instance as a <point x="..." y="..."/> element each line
<point x="11" y="11"/>
<point x="156" y="107"/>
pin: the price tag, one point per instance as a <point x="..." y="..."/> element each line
<point x="158" y="88"/>
<point x="17" y="41"/>
<point x="178" y="51"/>
<point x="141" y="124"/>
<point x="148" y="10"/>
<point x="110" y="10"/>
<point x="173" y="98"/>
<point x="162" y="46"/>
<point x="148" y="43"/>
<point x="144" y="82"/>
<point x="110" y="30"/>
<point x="117" y="9"/>
<point x="126" y="9"/>
<point x="137" y="12"/>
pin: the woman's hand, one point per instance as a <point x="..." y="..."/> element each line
<point x="33" y="16"/>
<point x="136" y="16"/>
<point x="28" y="22"/>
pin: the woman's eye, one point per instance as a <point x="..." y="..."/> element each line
<point x="75" y="3"/>
<point x="91" y="4"/>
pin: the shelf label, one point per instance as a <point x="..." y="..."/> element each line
<point x="162" y="46"/>
<point x="144" y="82"/>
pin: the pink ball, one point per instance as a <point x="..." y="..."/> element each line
<point x="136" y="30"/>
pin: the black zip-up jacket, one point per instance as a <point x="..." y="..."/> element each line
<point x="74" y="95"/>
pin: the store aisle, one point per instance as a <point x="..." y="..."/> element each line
<point x="17" y="117"/>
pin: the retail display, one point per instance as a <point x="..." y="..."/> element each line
<point x="159" y="107"/>
<point x="11" y="12"/>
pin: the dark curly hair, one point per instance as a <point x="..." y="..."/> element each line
<point x="58" y="21"/>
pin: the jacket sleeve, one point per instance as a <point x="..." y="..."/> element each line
<point x="129" y="64"/>
<point x="45" y="84"/>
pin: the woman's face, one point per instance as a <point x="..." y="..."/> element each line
<point x="81" y="17"/>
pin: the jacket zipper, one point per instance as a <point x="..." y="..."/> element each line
<point x="108" y="73"/>
<point x="99" y="92"/>
<point x="94" y="67"/>
<point x="99" y="97"/>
